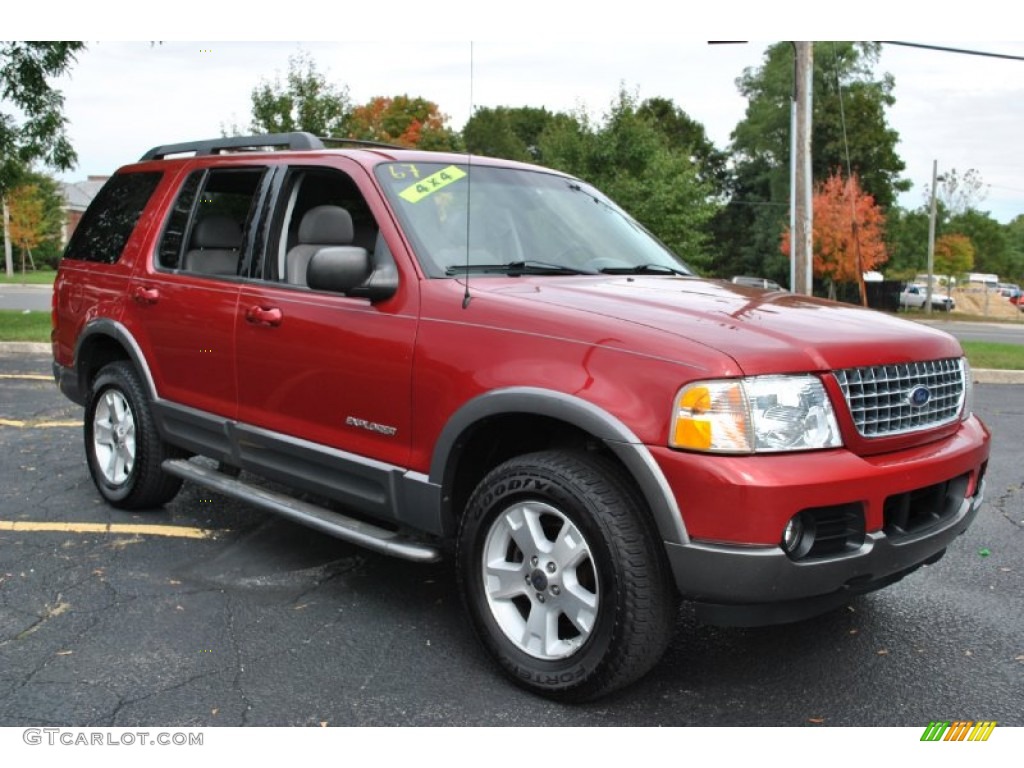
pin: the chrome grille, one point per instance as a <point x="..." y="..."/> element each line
<point x="879" y="397"/>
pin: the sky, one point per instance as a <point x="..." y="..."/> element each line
<point x="123" y="97"/>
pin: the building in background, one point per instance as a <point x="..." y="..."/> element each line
<point x="77" y="196"/>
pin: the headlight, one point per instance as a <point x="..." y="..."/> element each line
<point x="761" y="414"/>
<point x="968" y="409"/>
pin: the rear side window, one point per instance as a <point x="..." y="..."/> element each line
<point x="205" y="231"/>
<point x="111" y="217"/>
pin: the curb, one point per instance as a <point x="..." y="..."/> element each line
<point x="996" y="376"/>
<point x="25" y="347"/>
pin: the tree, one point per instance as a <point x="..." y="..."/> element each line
<point x="748" y="228"/>
<point x="685" y="133"/>
<point x="954" y="255"/>
<point x="989" y="237"/>
<point x="849" y="231"/>
<point x="26" y="220"/>
<point x="42" y="232"/>
<point x="489" y="132"/>
<point x="36" y="131"/>
<point x="305" y="101"/>
<point x="1015" y="242"/>
<point x="404" y="120"/>
<point x="635" y="164"/>
<point x="841" y="71"/>
<point x="512" y="133"/>
<point x="959" y="193"/>
<point x="906" y="239"/>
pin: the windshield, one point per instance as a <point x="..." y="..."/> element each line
<point x="495" y="221"/>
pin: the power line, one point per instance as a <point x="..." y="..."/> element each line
<point x="945" y="49"/>
<point x="1008" y="189"/>
<point x="757" y="202"/>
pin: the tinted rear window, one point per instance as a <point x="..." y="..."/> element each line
<point x="104" y="230"/>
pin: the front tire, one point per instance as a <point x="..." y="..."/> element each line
<point x="122" y="444"/>
<point x="563" y="574"/>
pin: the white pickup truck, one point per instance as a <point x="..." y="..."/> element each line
<point x="915" y="296"/>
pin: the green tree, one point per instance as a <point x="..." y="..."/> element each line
<point x="906" y="237"/>
<point x="842" y="70"/>
<point x="489" y="132"/>
<point x="35" y="131"/>
<point x="991" y="248"/>
<point x="748" y="228"/>
<point x="954" y="255"/>
<point x="512" y="133"/>
<point x="686" y="134"/>
<point x="635" y="164"/>
<point x="305" y="101"/>
<point x="1015" y="244"/>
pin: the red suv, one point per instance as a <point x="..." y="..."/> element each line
<point x="492" y="360"/>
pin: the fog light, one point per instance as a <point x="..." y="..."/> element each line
<point x="799" y="534"/>
<point x="792" y="535"/>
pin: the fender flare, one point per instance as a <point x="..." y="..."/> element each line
<point x="118" y="332"/>
<point x="584" y="415"/>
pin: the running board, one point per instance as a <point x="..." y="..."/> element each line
<point x="353" y="531"/>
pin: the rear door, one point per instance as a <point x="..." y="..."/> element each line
<point x="186" y="296"/>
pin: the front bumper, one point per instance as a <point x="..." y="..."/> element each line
<point x="735" y="509"/>
<point x="762" y="585"/>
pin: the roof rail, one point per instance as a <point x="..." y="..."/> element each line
<point x="294" y="140"/>
<point x="361" y="142"/>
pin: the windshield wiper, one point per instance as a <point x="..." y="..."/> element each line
<point x="514" y="268"/>
<point x="644" y="269"/>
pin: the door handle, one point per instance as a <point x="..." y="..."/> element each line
<point x="258" y="315"/>
<point x="145" y="295"/>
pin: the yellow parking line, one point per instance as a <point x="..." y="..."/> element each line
<point x="178" y="531"/>
<point x="27" y="376"/>
<point x="39" y="424"/>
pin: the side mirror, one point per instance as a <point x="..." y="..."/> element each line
<point x="338" y="269"/>
<point x="349" y="270"/>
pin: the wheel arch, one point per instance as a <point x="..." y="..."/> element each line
<point x="103" y="341"/>
<point x="499" y="424"/>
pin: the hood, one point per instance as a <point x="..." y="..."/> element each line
<point x="763" y="332"/>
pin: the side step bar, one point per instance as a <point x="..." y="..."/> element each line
<point x="354" y="531"/>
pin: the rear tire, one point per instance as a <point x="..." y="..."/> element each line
<point x="122" y="444"/>
<point x="564" y="575"/>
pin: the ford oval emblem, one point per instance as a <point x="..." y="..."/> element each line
<point x="919" y="396"/>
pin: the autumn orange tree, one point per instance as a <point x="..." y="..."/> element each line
<point x="404" y="120"/>
<point x="26" y="220"/>
<point x="849" y="231"/>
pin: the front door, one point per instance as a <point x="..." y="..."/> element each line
<point x="320" y="371"/>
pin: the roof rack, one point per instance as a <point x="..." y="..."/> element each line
<point x="294" y="140"/>
<point x="361" y="142"/>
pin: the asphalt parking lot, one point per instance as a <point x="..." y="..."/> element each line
<point x="241" y="618"/>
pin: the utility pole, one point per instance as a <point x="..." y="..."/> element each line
<point x="931" y="241"/>
<point x="803" y="214"/>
